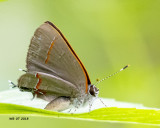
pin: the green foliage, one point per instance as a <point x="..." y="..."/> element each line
<point x="132" y="115"/>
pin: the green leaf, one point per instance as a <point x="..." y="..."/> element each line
<point x="147" y="116"/>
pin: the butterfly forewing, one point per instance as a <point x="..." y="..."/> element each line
<point x="50" y="53"/>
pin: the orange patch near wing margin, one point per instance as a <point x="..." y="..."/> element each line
<point x="88" y="82"/>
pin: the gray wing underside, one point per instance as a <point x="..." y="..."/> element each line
<point x="61" y="61"/>
<point x="49" y="84"/>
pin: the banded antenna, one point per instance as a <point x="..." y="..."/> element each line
<point x="112" y="74"/>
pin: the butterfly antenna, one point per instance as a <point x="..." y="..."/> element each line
<point x="112" y="74"/>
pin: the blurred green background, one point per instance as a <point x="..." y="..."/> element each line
<point x="106" y="35"/>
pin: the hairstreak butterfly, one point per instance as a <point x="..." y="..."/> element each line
<point x="54" y="71"/>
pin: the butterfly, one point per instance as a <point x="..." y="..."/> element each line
<point x="54" y="71"/>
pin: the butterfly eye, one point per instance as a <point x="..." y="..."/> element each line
<point x="93" y="90"/>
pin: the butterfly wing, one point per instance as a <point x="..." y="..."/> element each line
<point x="50" y="52"/>
<point x="43" y="83"/>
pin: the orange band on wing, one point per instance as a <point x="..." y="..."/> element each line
<point x="49" y="52"/>
<point x="39" y="81"/>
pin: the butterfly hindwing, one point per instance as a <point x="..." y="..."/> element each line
<point x="45" y="83"/>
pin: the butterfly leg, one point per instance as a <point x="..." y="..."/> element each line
<point x="59" y="104"/>
<point x="77" y="105"/>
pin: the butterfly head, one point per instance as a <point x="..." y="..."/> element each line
<point x="93" y="90"/>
